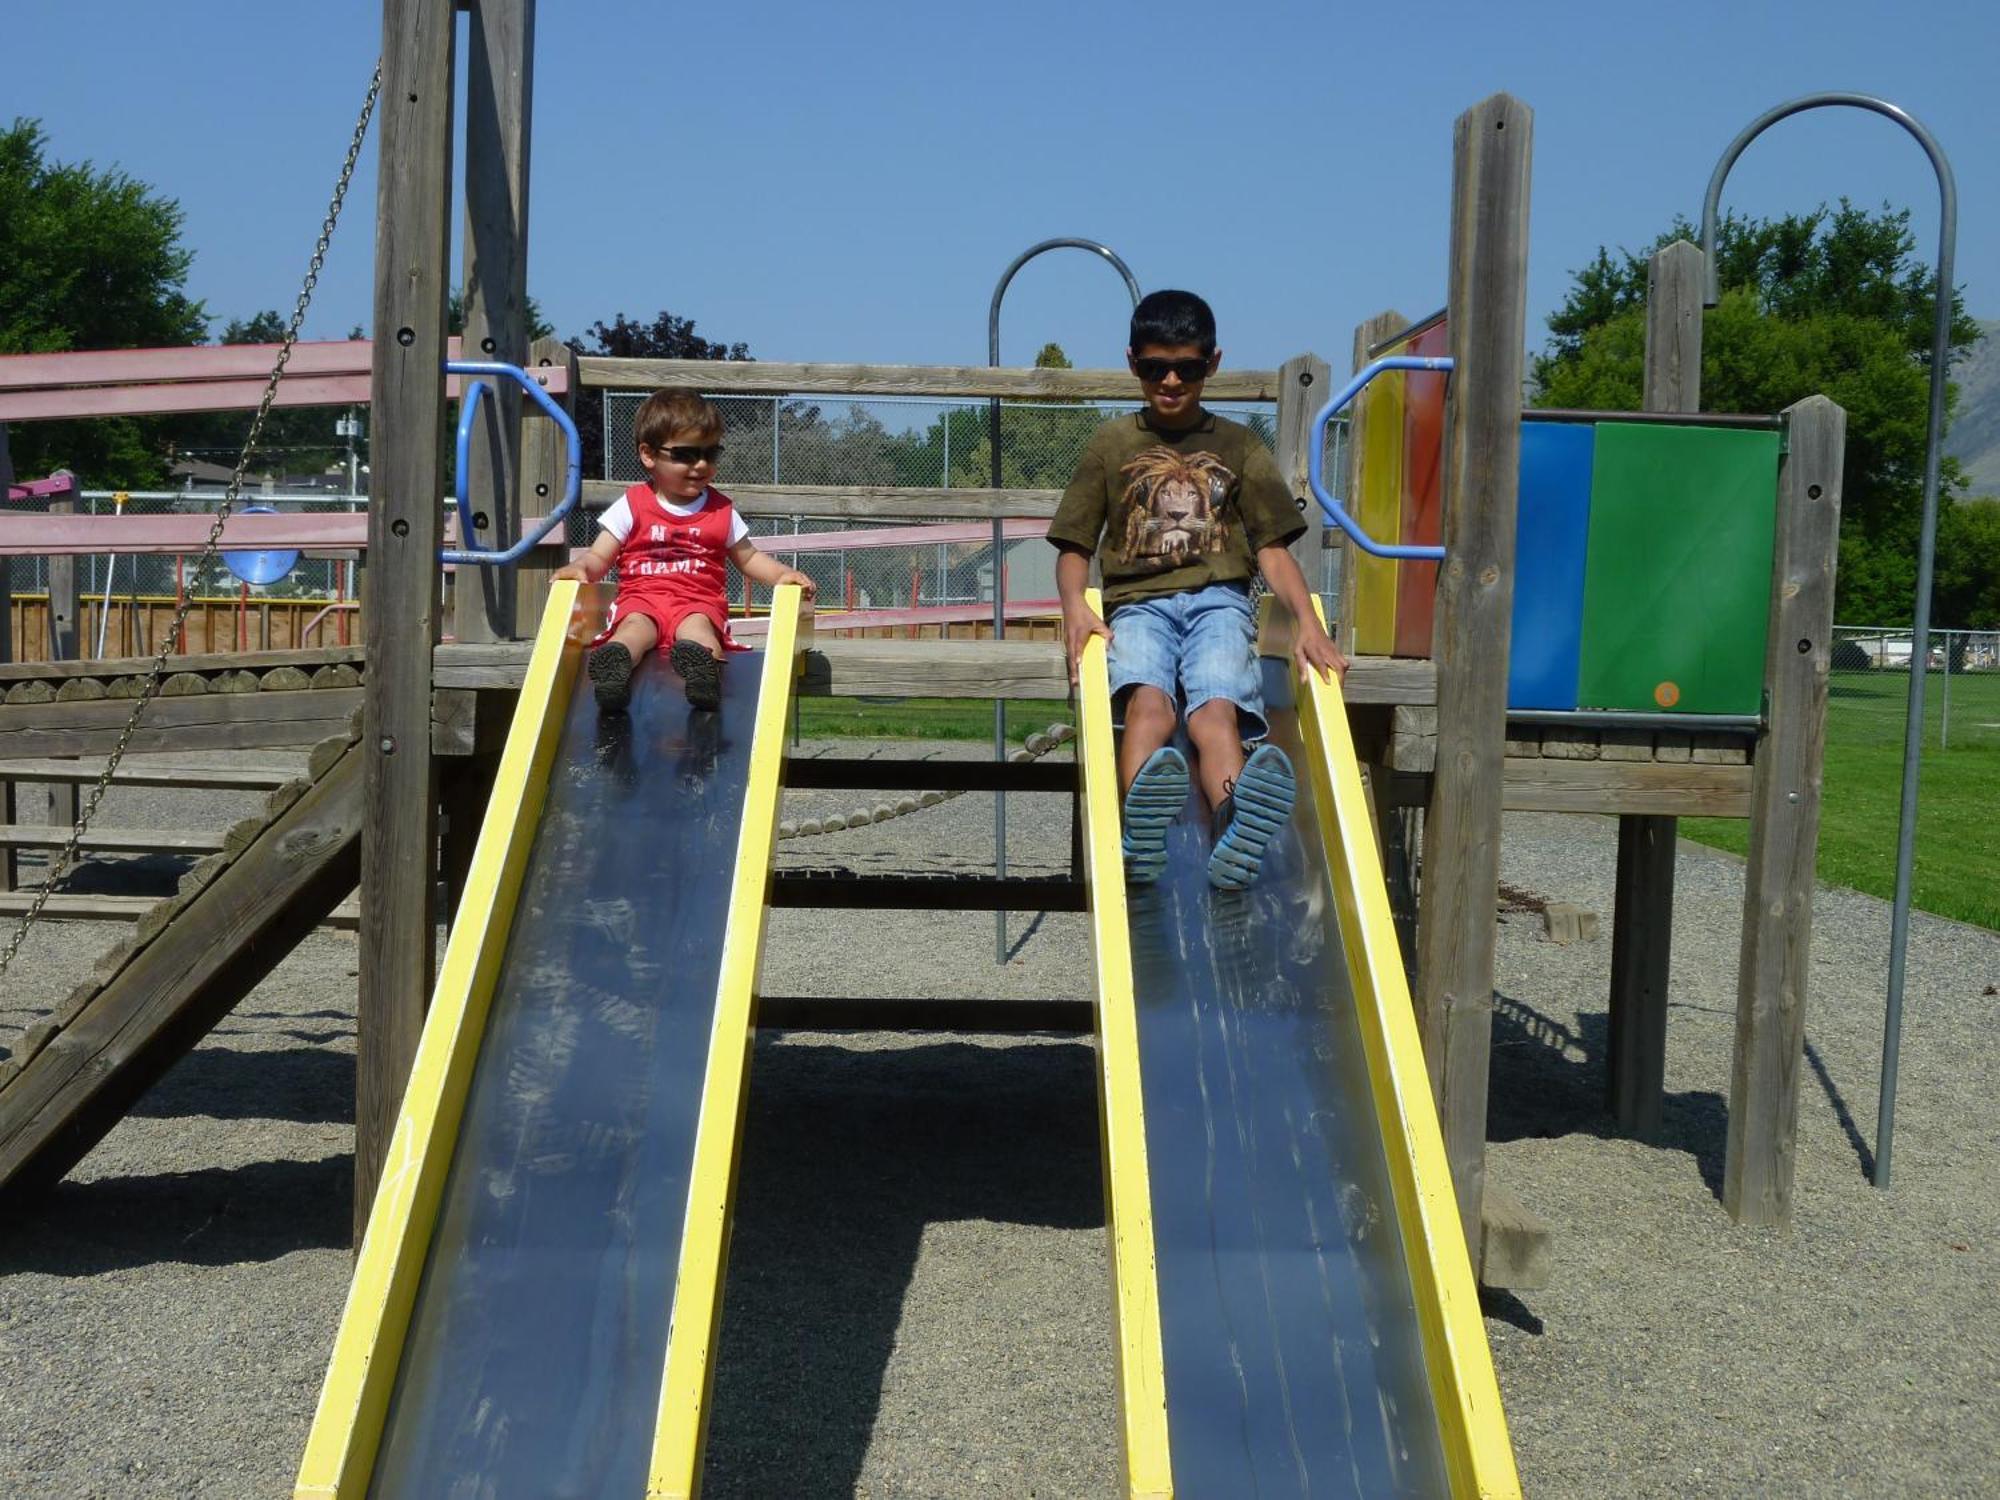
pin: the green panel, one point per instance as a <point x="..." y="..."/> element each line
<point x="1677" y="581"/>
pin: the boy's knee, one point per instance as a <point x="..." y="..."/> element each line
<point x="1217" y="716"/>
<point x="1149" y="707"/>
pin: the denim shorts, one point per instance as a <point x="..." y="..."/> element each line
<point x="1194" y="647"/>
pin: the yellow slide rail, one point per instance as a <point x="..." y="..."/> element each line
<point x="340" y="1453"/>
<point x="1479" y="1457"/>
<point x="682" y="1426"/>
<point x="1128" y="1192"/>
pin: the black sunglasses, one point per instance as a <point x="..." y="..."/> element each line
<point x="687" y="453"/>
<point x="1152" y="371"/>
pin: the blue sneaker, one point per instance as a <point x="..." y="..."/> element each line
<point x="1258" y="806"/>
<point x="1156" y="797"/>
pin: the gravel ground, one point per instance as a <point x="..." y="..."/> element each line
<point x="917" y="1304"/>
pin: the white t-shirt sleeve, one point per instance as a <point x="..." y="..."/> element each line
<point x="617" y="519"/>
<point x="738" y="527"/>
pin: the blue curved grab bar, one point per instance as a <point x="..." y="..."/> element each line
<point x="468" y="411"/>
<point x="1316" y="458"/>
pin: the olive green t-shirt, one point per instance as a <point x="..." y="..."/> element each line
<point x="1171" y="512"/>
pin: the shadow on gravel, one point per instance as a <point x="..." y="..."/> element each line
<point x="310" y="1085"/>
<point x="848" y="1156"/>
<point x="136" y="875"/>
<point x="1541" y="1089"/>
<point x="215" y="1217"/>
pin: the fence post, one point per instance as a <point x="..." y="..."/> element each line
<point x="1302" y="387"/>
<point x="544" y="459"/>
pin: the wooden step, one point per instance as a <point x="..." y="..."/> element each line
<point x="130" y="908"/>
<point x="151" y="772"/>
<point x="112" y="840"/>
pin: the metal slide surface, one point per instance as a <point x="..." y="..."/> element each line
<point x="532" y="1365"/>
<point x="584" y="1210"/>
<point x="1303" y="1346"/>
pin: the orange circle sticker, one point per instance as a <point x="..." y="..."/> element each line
<point x="1667" y="694"/>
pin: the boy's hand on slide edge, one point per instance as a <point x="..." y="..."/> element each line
<point x="570" y="573"/>
<point x="1080" y="623"/>
<point x="803" y="580"/>
<point x="1316" y="652"/>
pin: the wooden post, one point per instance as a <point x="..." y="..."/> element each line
<point x="1303" y="386"/>
<point x="1366" y="337"/>
<point x="1642" y="924"/>
<point x="1784" y="822"/>
<point x="399" y="835"/>
<point x="500" y="83"/>
<point x="543" y="459"/>
<point x="1491" y="148"/>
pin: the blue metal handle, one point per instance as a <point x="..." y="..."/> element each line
<point x="469" y="401"/>
<point x="1316" y="459"/>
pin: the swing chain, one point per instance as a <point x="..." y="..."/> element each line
<point x="61" y="865"/>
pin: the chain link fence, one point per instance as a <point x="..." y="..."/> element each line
<point x="1869" y="685"/>
<point x="902" y="442"/>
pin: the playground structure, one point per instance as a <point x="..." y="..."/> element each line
<point x="456" y="731"/>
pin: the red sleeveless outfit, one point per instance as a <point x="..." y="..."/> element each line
<point x="671" y="566"/>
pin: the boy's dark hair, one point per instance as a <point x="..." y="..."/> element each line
<point x="1170" y="319"/>
<point x="670" y="414"/>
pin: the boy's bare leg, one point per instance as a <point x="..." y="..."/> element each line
<point x="1149" y="724"/>
<point x="1218" y="748"/>
<point x="697" y="656"/>
<point x="638" y="635"/>
<point x="701" y="630"/>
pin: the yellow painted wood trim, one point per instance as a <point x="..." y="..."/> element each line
<point x="1479" y="1456"/>
<point x="1128" y="1188"/>
<point x="681" y="1425"/>
<point x="340" y="1451"/>
<point x="1379" y="509"/>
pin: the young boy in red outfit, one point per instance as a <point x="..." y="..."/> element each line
<point x="668" y="536"/>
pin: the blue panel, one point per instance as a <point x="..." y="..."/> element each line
<point x="1550" y="540"/>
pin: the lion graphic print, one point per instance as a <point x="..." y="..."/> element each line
<point x="1174" y="508"/>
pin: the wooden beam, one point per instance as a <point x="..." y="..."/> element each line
<point x="150" y="773"/>
<point x="761" y="377"/>
<point x="1491" y="149"/>
<point x="399" y="837"/>
<point x="202" y="721"/>
<point x="1642" y="923"/>
<point x="1304" y="382"/>
<point x="1366" y="336"/>
<point x="215" y="949"/>
<point x="114" y="840"/>
<point x="499" y="100"/>
<point x="1776" y="963"/>
<point x="215" y="661"/>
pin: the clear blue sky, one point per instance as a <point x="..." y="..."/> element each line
<point x="834" y="182"/>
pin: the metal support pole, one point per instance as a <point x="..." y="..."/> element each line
<point x="1913" y="724"/>
<point x="999" y="541"/>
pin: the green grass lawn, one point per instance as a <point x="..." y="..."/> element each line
<point x="924" y="718"/>
<point x="1958" y="817"/>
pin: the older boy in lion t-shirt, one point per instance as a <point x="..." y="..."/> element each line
<point x="1181" y="508"/>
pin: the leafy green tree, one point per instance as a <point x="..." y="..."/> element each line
<point x="89" y="259"/>
<point x="1967" y="595"/>
<point x="1830" y="302"/>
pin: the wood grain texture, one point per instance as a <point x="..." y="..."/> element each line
<point x="204" y="721"/>
<point x="195" y="969"/>
<point x="1304" y="383"/>
<point x="1651" y="788"/>
<point x="544" y="459"/>
<point x="398" y="844"/>
<point x="1491" y="149"/>
<point x="1776" y="962"/>
<point x="1642" y="922"/>
<point x="771" y="378"/>
<point x="499" y="107"/>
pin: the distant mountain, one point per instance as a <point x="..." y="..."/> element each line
<point x="1974" y="439"/>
